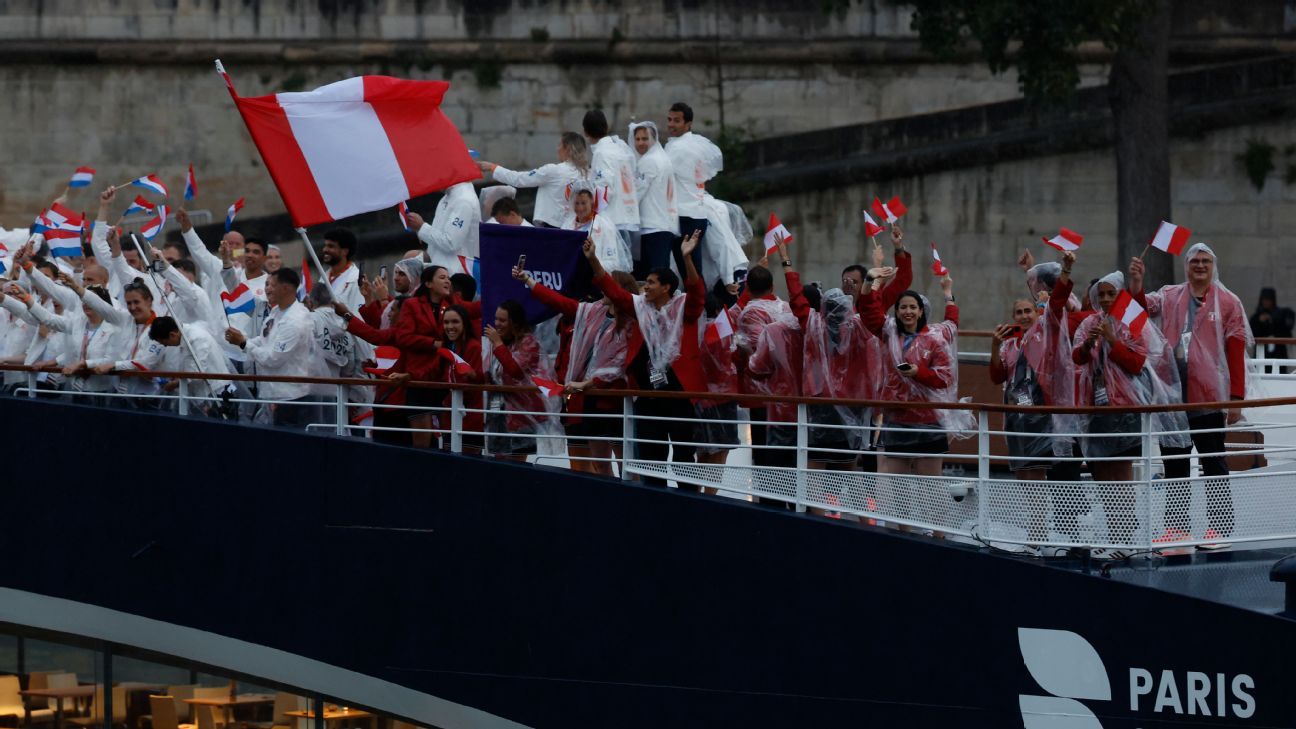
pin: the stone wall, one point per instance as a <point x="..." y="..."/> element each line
<point x="982" y="218"/>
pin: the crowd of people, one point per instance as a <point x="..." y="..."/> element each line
<point x="678" y="308"/>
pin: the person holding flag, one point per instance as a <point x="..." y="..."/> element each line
<point x="99" y="331"/>
<point x="461" y="363"/>
<point x="454" y="230"/>
<point x="192" y="348"/>
<point x="123" y="263"/>
<point x="595" y="358"/>
<point x="1121" y="363"/>
<point x="285" y="347"/>
<point x="515" y="420"/>
<point x="1208" y="330"/>
<point x="716" y="428"/>
<point x="842" y="361"/>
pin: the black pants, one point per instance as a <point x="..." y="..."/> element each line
<point x="392" y="419"/>
<point x="687" y="226"/>
<point x="654" y="252"/>
<point x="677" y="430"/>
<point x="1219" y="494"/>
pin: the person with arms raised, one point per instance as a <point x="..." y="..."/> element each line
<point x="285" y="348"/>
<point x="553" y="182"/>
<point x="453" y="231"/>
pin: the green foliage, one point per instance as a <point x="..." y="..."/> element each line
<point x="1037" y="37"/>
<point x="1258" y="161"/>
<point x="488" y="73"/>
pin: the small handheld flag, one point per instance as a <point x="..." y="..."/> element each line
<point x="775" y="229"/>
<point x="238" y="301"/>
<point x="938" y="268"/>
<point x="385" y="358"/>
<point x="304" y="286"/>
<point x="402" y="211"/>
<point x="64" y="243"/>
<point x="1065" y="240"/>
<point x="233" y="210"/>
<point x="1127" y="310"/>
<point x="150" y="182"/>
<point x="548" y="388"/>
<point x="140" y="205"/>
<point x="191" y="185"/>
<point x="871" y="228"/>
<point x="41" y="223"/>
<point x="890" y="212"/>
<point x="719" y="329"/>
<point x="153" y="225"/>
<point x="1170" y="238"/>
<point x="82" y="177"/>
<point x="461" y="366"/>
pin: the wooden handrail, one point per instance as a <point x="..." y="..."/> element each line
<point x="725" y="397"/>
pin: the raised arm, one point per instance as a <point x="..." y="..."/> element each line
<point x="622" y="299"/>
<point x="694" y="289"/>
<point x="530" y="178"/>
<point x="903" y="271"/>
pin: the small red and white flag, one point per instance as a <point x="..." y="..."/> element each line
<point x="719" y="329"/>
<point x="775" y="228"/>
<point x="191" y="185"/>
<point x="890" y="212"/>
<point x="153" y="183"/>
<point x="938" y="268"/>
<point x="233" y="210"/>
<point x="1170" y="238"/>
<point x="402" y="210"/>
<point x="358" y="145"/>
<point x="1065" y="240"/>
<point x="1126" y="310"/>
<point x="82" y="177"/>
<point x="461" y="366"/>
<point x="548" y="388"/>
<point x="153" y="225"/>
<point x="385" y="358"/>
<point x="871" y="228"/>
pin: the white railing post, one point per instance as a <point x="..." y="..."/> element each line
<point x="340" y="410"/>
<point x="802" y="457"/>
<point x="1146" y="485"/>
<point x="456" y="420"/>
<point x="627" y="435"/>
<point x="183" y="391"/>
<point x="983" y="472"/>
<point x="31" y="384"/>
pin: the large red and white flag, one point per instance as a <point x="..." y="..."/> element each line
<point x="1127" y="310"/>
<point x="356" y="145"/>
<point x="1170" y="238"/>
<point x="1065" y="240"/>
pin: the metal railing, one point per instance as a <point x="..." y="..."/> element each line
<point x="972" y="496"/>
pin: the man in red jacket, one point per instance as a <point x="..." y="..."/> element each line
<point x="662" y="353"/>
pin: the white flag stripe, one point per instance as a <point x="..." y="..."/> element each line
<point x="335" y="117"/>
<point x="1163" y="236"/>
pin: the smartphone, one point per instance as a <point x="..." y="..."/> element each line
<point x="522" y="262"/>
<point x="905" y="367"/>
<point x="382" y="272"/>
<point x="1015" y="329"/>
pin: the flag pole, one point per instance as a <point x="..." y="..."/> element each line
<point x="1146" y="248"/>
<point x="311" y="250"/>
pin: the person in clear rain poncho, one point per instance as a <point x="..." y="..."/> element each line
<point x="515" y="419"/>
<point x="1206" y="326"/>
<point x="655" y="190"/>
<point x="841" y="361"/>
<point x="1117" y="368"/>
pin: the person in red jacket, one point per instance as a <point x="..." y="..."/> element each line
<point x="919" y="365"/>
<point x="515" y="420"/>
<point x="594" y="358"/>
<point x="663" y="354"/>
<point x="716" y="427"/>
<point x="1118" y="369"/>
<point x="1208" y="328"/>
<point x="459" y="362"/>
<point x="390" y="395"/>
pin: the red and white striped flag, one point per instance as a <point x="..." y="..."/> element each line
<point x="461" y="366"/>
<point x="548" y="388"/>
<point x="1170" y="238"/>
<point x="938" y="268"/>
<point x="355" y="146"/>
<point x="1065" y="240"/>
<point x="385" y="358"/>
<point x="775" y="228"/>
<point x="1127" y="310"/>
<point x="890" y="212"/>
<point x="719" y="329"/>
<point x="871" y="228"/>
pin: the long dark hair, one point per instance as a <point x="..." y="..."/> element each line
<point x="517" y="317"/>
<point x="462" y="343"/>
<point x="425" y="281"/>
<point x="922" y="316"/>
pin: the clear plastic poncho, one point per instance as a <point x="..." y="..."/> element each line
<point x="662" y="329"/>
<point x="1040" y="279"/>
<point x="598" y="345"/>
<point x="1200" y="350"/>
<point x="522" y="410"/>
<point x="841" y="361"/>
<point x="1047" y="348"/>
<point x="770" y="333"/>
<point x="717" y="359"/>
<point x="1156" y="384"/>
<point x="938" y="343"/>
<point x="491" y="195"/>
